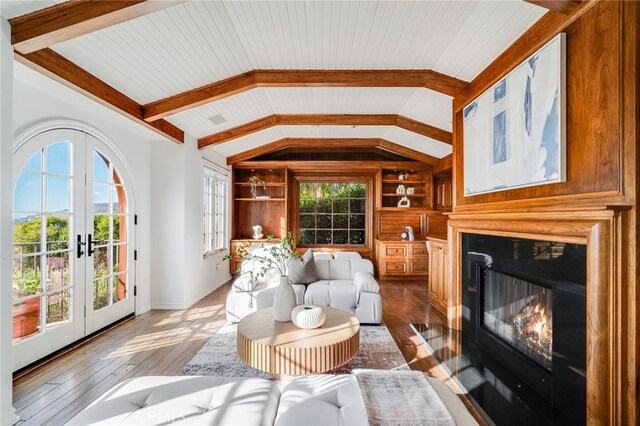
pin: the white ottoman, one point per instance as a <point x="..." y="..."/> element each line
<point x="322" y="399"/>
<point x="193" y="400"/>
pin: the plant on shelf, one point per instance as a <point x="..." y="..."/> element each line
<point x="254" y="181"/>
<point x="269" y="257"/>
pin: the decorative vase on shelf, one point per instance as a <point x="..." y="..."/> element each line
<point x="284" y="300"/>
<point x="257" y="232"/>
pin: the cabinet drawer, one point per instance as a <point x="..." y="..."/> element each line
<point x="420" y="267"/>
<point x="395" y="251"/>
<point x="395" y="267"/>
<point x="420" y="250"/>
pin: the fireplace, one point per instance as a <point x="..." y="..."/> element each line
<point x="520" y="313"/>
<point x="524" y="308"/>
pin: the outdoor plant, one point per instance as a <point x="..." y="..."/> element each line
<point x="269" y="256"/>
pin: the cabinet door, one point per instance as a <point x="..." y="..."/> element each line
<point x="445" y="278"/>
<point x="435" y="273"/>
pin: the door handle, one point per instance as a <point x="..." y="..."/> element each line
<point x="90" y="249"/>
<point x="79" y="244"/>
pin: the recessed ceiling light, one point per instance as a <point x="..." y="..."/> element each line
<point x="217" y="119"/>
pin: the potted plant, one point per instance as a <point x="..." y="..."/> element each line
<point x="274" y="256"/>
<point x="254" y="181"/>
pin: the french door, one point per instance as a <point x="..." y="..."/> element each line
<point x="72" y="250"/>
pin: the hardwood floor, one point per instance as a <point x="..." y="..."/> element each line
<point x="161" y="342"/>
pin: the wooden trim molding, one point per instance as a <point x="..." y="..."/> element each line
<point x="303" y="78"/>
<point x="611" y="295"/>
<point x="65" y="21"/>
<point x="326" y="120"/>
<point x="332" y="142"/>
<point x="562" y="6"/>
<point x="57" y="67"/>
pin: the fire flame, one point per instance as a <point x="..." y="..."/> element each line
<point x="541" y="324"/>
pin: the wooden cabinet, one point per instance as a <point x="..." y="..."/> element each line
<point x="401" y="258"/>
<point x="439" y="273"/>
<point x="443" y="193"/>
<point x="415" y="185"/>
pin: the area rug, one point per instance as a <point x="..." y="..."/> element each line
<point x="219" y="357"/>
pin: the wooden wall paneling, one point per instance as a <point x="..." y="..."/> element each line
<point x="57" y="67"/>
<point x="65" y="21"/>
<point x="302" y="78"/>
<point x="629" y="237"/>
<point x="392" y="223"/>
<point x="594" y="103"/>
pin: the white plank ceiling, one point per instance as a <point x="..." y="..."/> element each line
<point x="200" y="42"/>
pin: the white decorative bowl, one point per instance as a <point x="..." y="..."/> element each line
<point x="308" y="316"/>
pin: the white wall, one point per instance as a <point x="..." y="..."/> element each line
<point x="178" y="217"/>
<point x="7" y="415"/>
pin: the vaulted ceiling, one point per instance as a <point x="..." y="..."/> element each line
<point x="387" y="70"/>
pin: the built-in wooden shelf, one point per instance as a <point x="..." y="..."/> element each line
<point x="403" y="181"/>
<point x="260" y="185"/>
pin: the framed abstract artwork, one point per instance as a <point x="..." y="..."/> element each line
<point x="514" y="133"/>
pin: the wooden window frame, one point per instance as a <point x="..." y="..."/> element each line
<point x="332" y="177"/>
<point x="211" y="227"/>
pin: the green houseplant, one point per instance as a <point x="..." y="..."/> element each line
<point x="269" y="257"/>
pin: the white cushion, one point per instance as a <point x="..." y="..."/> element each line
<point x="322" y="399"/>
<point x="364" y="281"/>
<point x="156" y="400"/>
<point x="317" y="293"/>
<point x="343" y="295"/>
<point x="339" y="269"/>
<point x="348" y="255"/>
<point x="322" y="268"/>
<point x="361" y="265"/>
<point x="322" y="255"/>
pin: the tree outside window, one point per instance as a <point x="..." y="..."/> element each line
<point x="332" y="213"/>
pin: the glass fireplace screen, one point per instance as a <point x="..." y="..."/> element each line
<point x="520" y="313"/>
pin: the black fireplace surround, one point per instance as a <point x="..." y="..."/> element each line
<point x="524" y="305"/>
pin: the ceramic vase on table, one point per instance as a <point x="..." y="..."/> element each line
<point x="284" y="301"/>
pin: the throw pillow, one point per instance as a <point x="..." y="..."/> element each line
<point x="302" y="271"/>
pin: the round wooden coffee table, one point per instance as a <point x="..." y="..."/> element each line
<point x="282" y="349"/>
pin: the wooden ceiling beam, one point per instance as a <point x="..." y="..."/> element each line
<point x="332" y="142"/>
<point x="303" y="78"/>
<point x="326" y="120"/>
<point x="65" y="21"/>
<point x="408" y="152"/>
<point x="526" y="45"/>
<point x="562" y="6"/>
<point x="54" y="65"/>
<point x="444" y="164"/>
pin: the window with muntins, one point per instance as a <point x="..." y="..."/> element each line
<point x="214" y="218"/>
<point x="332" y="213"/>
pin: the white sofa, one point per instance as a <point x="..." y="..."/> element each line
<point x="345" y="282"/>
<point x="196" y="400"/>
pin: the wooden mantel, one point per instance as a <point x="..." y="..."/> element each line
<point x="610" y="302"/>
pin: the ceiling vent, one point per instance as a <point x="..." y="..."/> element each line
<point x="217" y="120"/>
